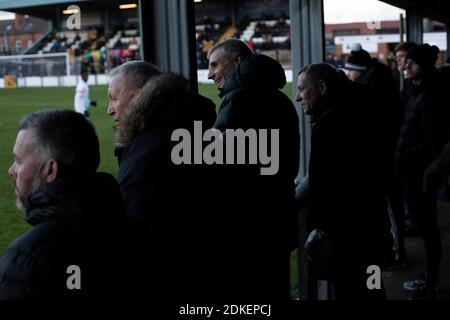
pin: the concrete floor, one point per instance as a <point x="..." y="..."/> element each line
<point x="416" y="261"/>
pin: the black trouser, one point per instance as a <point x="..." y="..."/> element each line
<point x="423" y="208"/>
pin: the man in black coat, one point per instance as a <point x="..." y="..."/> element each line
<point x="72" y="249"/>
<point x="346" y="195"/>
<point x="259" y="227"/>
<point x="422" y="137"/>
<point x="170" y="202"/>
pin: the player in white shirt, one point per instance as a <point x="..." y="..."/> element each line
<point x="82" y="102"/>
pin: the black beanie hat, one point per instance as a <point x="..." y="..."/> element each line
<point x="424" y="55"/>
<point x="358" y="60"/>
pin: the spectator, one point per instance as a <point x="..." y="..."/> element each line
<point x="260" y="210"/>
<point x="75" y="214"/>
<point x="353" y="231"/>
<point x="400" y="54"/>
<point x="170" y="202"/>
<point x="422" y="137"/>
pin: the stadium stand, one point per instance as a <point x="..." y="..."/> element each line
<point x="45" y="46"/>
<point x="266" y="29"/>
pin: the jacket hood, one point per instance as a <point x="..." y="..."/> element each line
<point x="145" y="108"/>
<point x="257" y="71"/>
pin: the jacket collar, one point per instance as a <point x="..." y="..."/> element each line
<point x="71" y="198"/>
<point x="55" y="200"/>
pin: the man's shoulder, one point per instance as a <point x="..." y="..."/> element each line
<point x="256" y="96"/>
<point x="330" y="119"/>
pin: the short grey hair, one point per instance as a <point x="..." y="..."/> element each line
<point x="322" y="71"/>
<point x="232" y="48"/>
<point x="136" y="73"/>
<point x="65" y="136"/>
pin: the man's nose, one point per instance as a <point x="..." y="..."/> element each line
<point x="210" y="74"/>
<point x="298" y="97"/>
<point x="110" y="110"/>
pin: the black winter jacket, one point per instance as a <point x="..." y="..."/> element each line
<point x="346" y="180"/>
<point x="75" y="222"/>
<point x="425" y="128"/>
<point x="169" y="201"/>
<point x="259" y="225"/>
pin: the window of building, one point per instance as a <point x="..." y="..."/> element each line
<point x="18" y="46"/>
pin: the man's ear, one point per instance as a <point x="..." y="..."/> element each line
<point x="238" y="60"/>
<point x="50" y="170"/>
<point x="322" y="87"/>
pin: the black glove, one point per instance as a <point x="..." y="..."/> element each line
<point x="93" y="103"/>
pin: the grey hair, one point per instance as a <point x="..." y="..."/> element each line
<point x="233" y="48"/>
<point x="322" y="71"/>
<point x="136" y="73"/>
<point x="65" y="136"/>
